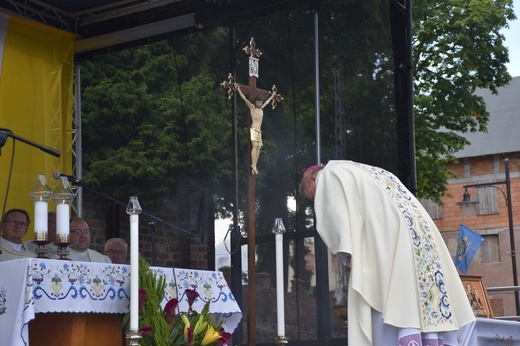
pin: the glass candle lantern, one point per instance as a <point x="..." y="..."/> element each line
<point x="40" y="194"/>
<point x="63" y="196"/>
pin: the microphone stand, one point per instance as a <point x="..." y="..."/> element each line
<point x="154" y="218"/>
<point x="153" y="226"/>
<point x="4" y="133"/>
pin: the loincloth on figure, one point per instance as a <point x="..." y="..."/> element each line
<point x="256" y="136"/>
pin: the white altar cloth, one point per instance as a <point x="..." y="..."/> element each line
<point x="29" y="286"/>
<point x="490" y="332"/>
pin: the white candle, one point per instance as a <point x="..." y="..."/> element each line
<point x="134" y="272"/>
<point x="62" y="222"/>
<point x="279" y="284"/>
<point x="40" y="220"/>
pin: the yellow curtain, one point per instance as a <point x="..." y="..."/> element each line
<point x="36" y="103"/>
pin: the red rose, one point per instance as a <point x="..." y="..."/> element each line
<point x="189" y="338"/>
<point x="142" y="299"/>
<point x="191" y="295"/>
<point x="145" y="331"/>
<point x="169" y="309"/>
<point x="224" y="338"/>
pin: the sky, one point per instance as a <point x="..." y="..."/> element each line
<point x="512" y="36"/>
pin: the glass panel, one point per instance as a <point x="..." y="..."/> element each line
<point x="338" y="288"/>
<point x="157" y="118"/>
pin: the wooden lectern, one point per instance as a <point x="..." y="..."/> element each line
<point x="76" y="329"/>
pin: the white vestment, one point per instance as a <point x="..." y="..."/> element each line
<point x="8" y="252"/>
<point x="401" y="266"/>
<point x="88" y="256"/>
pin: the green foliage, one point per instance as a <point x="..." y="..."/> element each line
<point x="145" y="128"/>
<point x="457" y="48"/>
<point x="164" y="327"/>
<point x="151" y="314"/>
<point x="202" y="325"/>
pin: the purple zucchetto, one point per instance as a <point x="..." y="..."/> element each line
<point x="309" y="169"/>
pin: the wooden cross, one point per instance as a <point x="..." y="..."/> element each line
<point x="255" y="111"/>
<point x="274" y="98"/>
<point x="251" y="49"/>
<point x="230" y="87"/>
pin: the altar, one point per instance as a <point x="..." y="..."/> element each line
<point x="490" y="332"/>
<point x="36" y="286"/>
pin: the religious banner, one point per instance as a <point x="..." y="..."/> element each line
<point x="36" y="93"/>
<point x="467" y="246"/>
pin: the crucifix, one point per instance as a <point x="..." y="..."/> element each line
<point x="258" y="99"/>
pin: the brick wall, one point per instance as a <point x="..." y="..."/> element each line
<point x="495" y="274"/>
<point x="171" y="244"/>
<point x="300" y="308"/>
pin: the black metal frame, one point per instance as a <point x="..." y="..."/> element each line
<point x="401" y="23"/>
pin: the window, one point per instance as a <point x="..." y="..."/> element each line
<point x="489" y="249"/>
<point x="433" y="209"/>
<point x="488" y="200"/>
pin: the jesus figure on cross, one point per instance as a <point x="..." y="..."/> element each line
<point x="257" y="115"/>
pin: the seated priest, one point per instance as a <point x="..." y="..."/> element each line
<point x="80" y="239"/>
<point x="15" y="223"/>
<point x="117" y="250"/>
<point x="404" y="288"/>
<point x="52" y="249"/>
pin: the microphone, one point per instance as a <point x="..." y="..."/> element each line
<point x="75" y="181"/>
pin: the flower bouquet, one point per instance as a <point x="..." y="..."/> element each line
<point x="168" y="326"/>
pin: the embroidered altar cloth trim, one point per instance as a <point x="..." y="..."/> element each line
<point x="29" y="286"/>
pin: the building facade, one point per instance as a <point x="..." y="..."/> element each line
<point x="483" y="162"/>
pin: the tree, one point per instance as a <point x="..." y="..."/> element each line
<point x="145" y="128"/>
<point x="457" y="48"/>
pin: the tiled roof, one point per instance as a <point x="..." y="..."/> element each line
<point x="503" y="134"/>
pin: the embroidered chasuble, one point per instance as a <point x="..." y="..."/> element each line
<point x="401" y="266"/>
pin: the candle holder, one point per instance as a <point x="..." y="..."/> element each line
<point x="62" y="242"/>
<point x="133" y="338"/>
<point x="41" y="250"/>
<point x="40" y="194"/>
<point x="63" y="196"/>
<point x="280" y="340"/>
